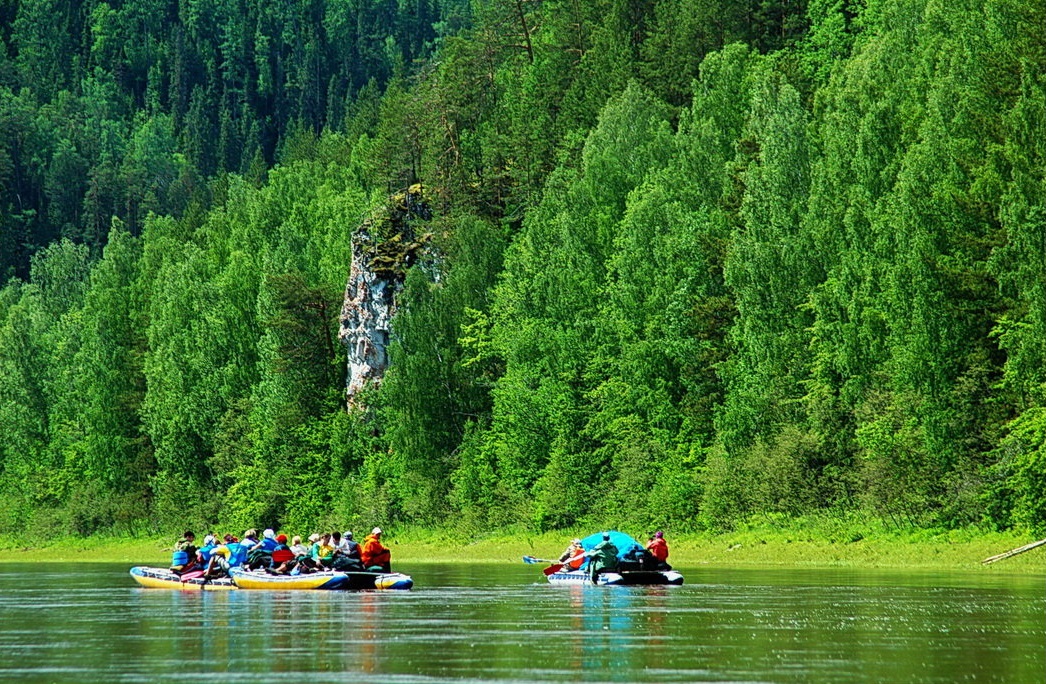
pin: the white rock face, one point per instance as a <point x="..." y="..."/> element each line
<point x="383" y="248"/>
<point x="365" y="317"/>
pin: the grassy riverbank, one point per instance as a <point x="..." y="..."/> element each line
<point x="755" y="546"/>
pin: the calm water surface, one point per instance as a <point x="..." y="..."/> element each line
<point x="498" y="622"/>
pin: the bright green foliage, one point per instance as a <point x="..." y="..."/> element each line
<point x="681" y="263"/>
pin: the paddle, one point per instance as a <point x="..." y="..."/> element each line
<point x="532" y="560"/>
<point x="554" y="568"/>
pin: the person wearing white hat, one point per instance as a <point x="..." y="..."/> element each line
<point x="373" y="554"/>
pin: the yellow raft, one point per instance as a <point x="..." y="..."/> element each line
<point x="162" y="578"/>
<point x="327" y="580"/>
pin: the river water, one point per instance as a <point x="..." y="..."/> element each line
<point x="64" y="623"/>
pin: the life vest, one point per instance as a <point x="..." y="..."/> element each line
<point x="183" y="555"/>
<point x="237" y="553"/>
<point x="206" y="552"/>
<point x="282" y="554"/>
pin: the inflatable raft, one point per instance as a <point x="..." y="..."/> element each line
<point x="635" y="566"/>
<point x="624" y="578"/>
<point x="328" y="580"/>
<point x="162" y="578"/>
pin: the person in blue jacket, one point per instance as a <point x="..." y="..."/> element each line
<point x="238" y="549"/>
<point x="231" y="554"/>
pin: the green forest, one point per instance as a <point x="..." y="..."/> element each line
<point x="684" y="263"/>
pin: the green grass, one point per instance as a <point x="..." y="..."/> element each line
<point x="813" y="545"/>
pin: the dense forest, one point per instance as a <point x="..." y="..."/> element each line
<point x="687" y="263"/>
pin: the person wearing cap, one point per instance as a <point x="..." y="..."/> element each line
<point x="373" y="554"/>
<point x="604" y="557"/>
<point x="658" y="548"/>
<point x="349" y="547"/>
<point x="183" y="558"/>
<point x="283" y="558"/>
<point x="574" y="556"/>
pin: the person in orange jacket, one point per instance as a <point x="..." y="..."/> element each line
<point x="373" y="553"/>
<point x="658" y="548"/>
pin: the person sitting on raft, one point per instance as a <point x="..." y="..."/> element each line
<point x="298" y="548"/>
<point x="373" y="554"/>
<point x="260" y="555"/>
<point x="574" y="556"/>
<point x="341" y="558"/>
<point x="348" y="546"/>
<point x="322" y="551"/>
<point x="204" y="553"/>
<point x="221" y="558"/>
<point x="183" y="558"/>
<point x="604" y="557"/>
<point x="658" y="548"/>
<point x="283" y="559"/>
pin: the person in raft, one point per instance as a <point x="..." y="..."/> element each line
<point x="204" y="553"/>
<point x="658" y="548"/>
<point x="231" y="554"/>
<point x="298" y="548"/>
<point x="183" y="558"/>
<point x="283" y="558"/>
<point x="573" y="557"/>
<point x="348" y="546"/>
<point x="604" y="557"/>
<point x="373" y="554"/>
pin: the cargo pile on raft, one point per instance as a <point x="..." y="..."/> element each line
<point x="331" y="561"/>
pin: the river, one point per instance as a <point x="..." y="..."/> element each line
<point x="65" y="623"/>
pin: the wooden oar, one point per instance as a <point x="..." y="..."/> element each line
<point x="1014" y="552"/>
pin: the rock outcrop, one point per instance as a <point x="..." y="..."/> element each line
<point x="383" y="248"/>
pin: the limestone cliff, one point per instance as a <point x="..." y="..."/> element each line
<point x="383" y="248"/>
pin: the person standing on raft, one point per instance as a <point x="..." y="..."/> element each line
<point x="603" y="557"/>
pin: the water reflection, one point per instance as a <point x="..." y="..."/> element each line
<point x="500" y="623"/>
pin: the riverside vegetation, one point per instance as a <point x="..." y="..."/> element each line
<point x="688" y="264"/>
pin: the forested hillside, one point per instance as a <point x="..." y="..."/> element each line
<point x="689" y="262"/>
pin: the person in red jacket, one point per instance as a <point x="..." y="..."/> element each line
<point x="658" y="548"/>
<point x="373" y="554"/>
<point x="574" y="556"/>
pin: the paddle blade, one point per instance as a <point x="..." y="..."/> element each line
<point x="555" y="567"/>
<point x="532" y="560"/>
